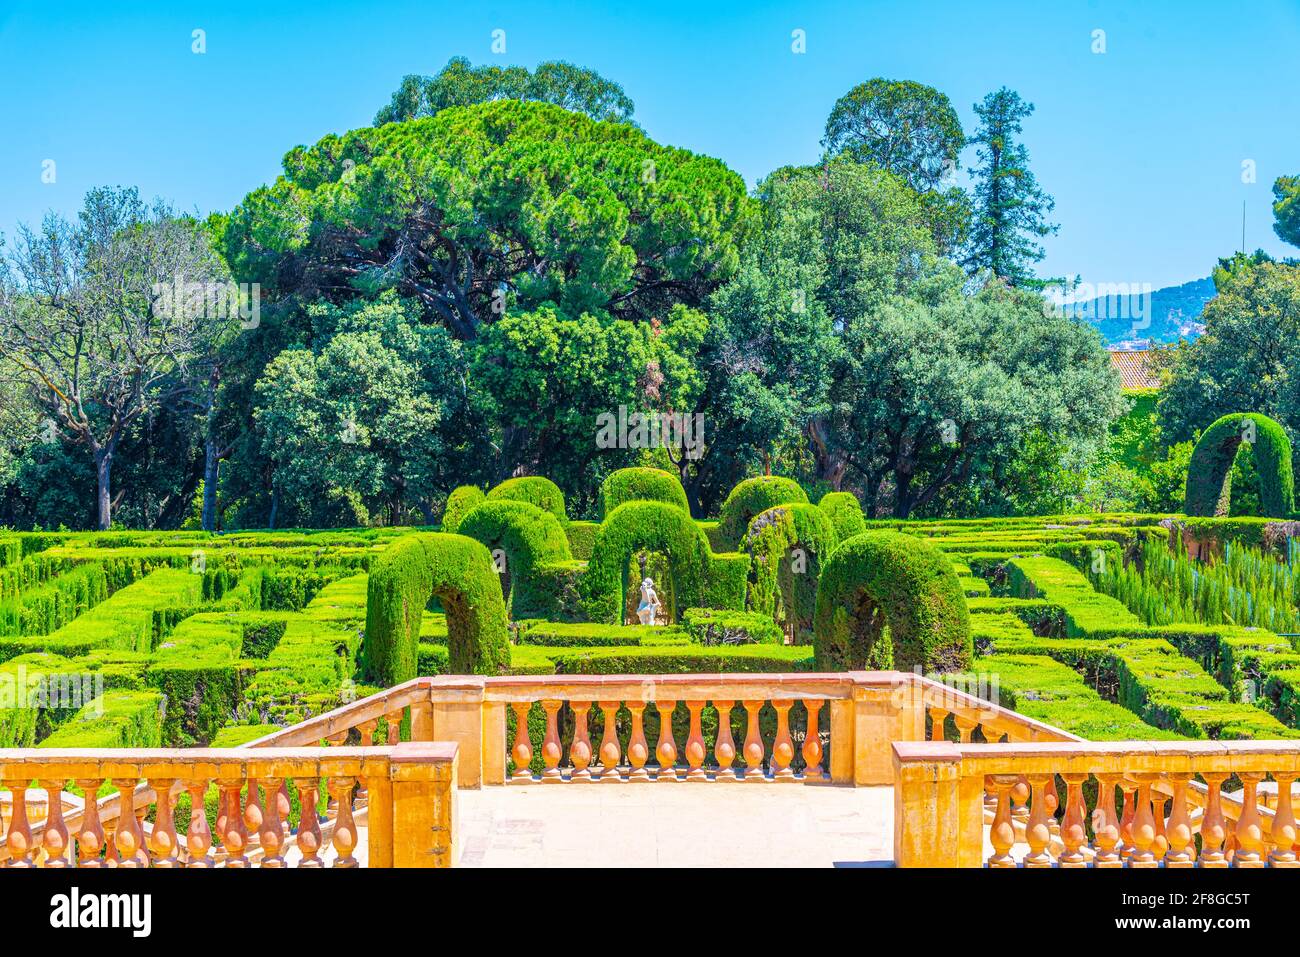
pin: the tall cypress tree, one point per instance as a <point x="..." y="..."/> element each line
<point x="1010" y="211"/>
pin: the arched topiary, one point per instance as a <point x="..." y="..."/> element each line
<point x="1209" y="474"/>
<point x="649" y="526"/>
<point x="535" y="490"/>
<point x="751" y="497"/>
<point x="459" y="503"/>
<point x="786" y="589"/>
<point x="402" y="580"/>
<point x="888" y="579"/>
<point x="530" y="538"/>
<point x="641" y="485"/>
<point x="845" y="512"/>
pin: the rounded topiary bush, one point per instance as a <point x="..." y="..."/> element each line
<point x="751" y="497"/>
<point x="530" y="538"/>
<point x="641" y="485"/>
<point x="845" y="512"/>
<point x="886" y="579"/>
<point x="404" y="577"/>
<point x="535" y="490"/>
<point x="1209" y="474"/>
<point x="459" y="504"/>
<point x="785" y="588"/>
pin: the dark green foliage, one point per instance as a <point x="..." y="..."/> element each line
<point x="534" y="490"/>
<point x="885" y="579"/>
<point x="459" y="571"/>
<point x="641" y="485"/>
<point x="459" y="504"/>
<point x="845" y="512"/>
<point x="582" y="537"/>
<point x="750" y="497"/>
<point x="530" y="538"/>
<point x="1209" y="477"/>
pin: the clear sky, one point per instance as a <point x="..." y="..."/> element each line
<point x="1142" y="145"/>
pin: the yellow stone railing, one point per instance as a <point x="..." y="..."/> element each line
<point x="957" y="805"/>
<point x="406" y="796"/>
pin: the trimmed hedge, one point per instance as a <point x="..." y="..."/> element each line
<point x="641" y="485"/>
<point x="886" y="579"/>
<point x="778" y="587"/>
<point x="534" y="490"/>
<point x="459" y="571"/>
<point x="198" y="671"/>
<point x="719" y="626"/>
<point x="530" y="538"/>
<point x="582" y="537"/>
<point x="116" y="719"/>
<point x="460" y="503"/>
<point x="1209" y="474"/>
<point x="845" y="512"/>
<point x="748" y="499"/>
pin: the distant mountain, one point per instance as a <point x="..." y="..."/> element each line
<point x="1128" y="319"/>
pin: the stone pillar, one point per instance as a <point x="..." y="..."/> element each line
<point x="424" y="777"/>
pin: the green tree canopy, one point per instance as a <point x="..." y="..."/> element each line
<point x="1286" y="209"/>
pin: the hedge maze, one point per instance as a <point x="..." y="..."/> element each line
<point x="1099" y="624"/>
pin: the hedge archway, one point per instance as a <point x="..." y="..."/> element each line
<point x="887" y="579"/>
<point x="777" y="585"/>
<point x="530" y="538"/>
<point x="535" y="490"/>
<point x="460" y="503"/>
<point x="649" y="526"/>
<point x="1209" y="474"/>
<point x="641" y="485"/>
<point x="845" y="512"/>
<point x="749" y="498"/>
<point x="402" y="580"/>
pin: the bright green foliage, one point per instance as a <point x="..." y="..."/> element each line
<point x="845" y="512"/>
<point x="715" y="626"/>
<point x="462" y="499"/>
<point x="641" y="485"/>
<point x="751" y="497"/>
<point x="48" y="608"/>
<point x="1209" y="477"/>
<point x="1286" y="209"/>
<point x="197" y="670"/>
<point x="535" y="490"/>
<point x="530" y="538"/>
<point x="116" y="719"/>
<point x="789" y="545"/>
<point x="887" y="580"/>
<point x="459" y="571"/>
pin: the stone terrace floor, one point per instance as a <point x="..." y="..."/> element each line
<point x="684" y="825"/>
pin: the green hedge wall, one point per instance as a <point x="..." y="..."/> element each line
<point x="641" y="485"/>
<point x="749" y="498"/>
<point x="460" y="503"/>
<point x="534" y="490"/>
<point x="720" y="626"/>
<point x="1209" y="475"/>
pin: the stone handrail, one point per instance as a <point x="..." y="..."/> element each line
<point x="409" y="809"/>
<point x="944" y="791"/>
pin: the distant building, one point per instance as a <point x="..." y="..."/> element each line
<point x="1136" y="367"/>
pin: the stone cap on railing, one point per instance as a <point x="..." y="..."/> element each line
<point x="1136" y="757"/>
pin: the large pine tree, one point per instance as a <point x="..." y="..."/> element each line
<point x="1010" y="211"/>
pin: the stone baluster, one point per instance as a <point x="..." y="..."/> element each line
<point x="1160" y="846"/>
<point x="812" y="742"/>
<point x="1284" y="824"/>
<point x="55" y="841"/>
<point x="754" y="751"/>
<point x="282" y="808"/>
<point x="552" y="751"/>
<point x="142" y="853"/>
<point x="271" y="835"/>
<point x="937" y="718"/>
<point x="724" y="748"/>
<point x="198" y="839"/>
<point x="638" y="752"/>
<point x="666" y="748"/>
<point x="163" y="842"/>
<point x="1038" y="833"/>
<point x="345" y="831"/>
<point x="695" y="750"/>
<point x="580" y="748"/>
<point x="223" y="818"/>
<point x="1128" y="789"/>
<point x="966" y="726"/>
<point x="522" y="752"/>
<point x="1105" y="824"/>
<point x="368" y="729"/>
<point x="1144" y="826"/>
<point x="1002" y="834"/>
<point x="393" y="721"/>
<point x="337" y="739"/>
<point x="19" y="839"/>
<point x="1178" y="830"/>
<point x="234" y="838"/>
<point x="1250" y="827"/>
<point x="127" y="840"/>
<point x="1020" y="801"/>
<point x="308" y="840"/>
<point x="253" y="813"/>
<point x="1074" y="833"/>
<point x="1214" y="830"/>
<point x="90" y="835"/>
<point x="110" y="843"/>
<point x="610" y="751"/>
<point x="782" y="746"/>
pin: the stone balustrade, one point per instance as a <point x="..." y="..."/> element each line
<point x="1102" y="804"/>
<point x="408" y="812"/>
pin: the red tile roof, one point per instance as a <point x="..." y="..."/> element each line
<point x="1135" y="368"/>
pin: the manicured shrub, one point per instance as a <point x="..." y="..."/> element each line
<point x="845" y="512"/>
<point x="116" y="719"/>
<point x="720" y="626"/>
<point x="198" y="671"/>
<point x="534" y="490"/>
<point x="641" y="485"/>
<point x="529" y="537"/>
<point x="885" y="579"/>
<point x="459" y="571"/>
<point x="1209" y="475"/>
<point x="582" y="537"/>
<point x="459" y="504"/>
<point x="750" y="497"/>
<point x="788" y="545"/>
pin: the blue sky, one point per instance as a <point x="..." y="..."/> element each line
<point x="1142" y="146"/>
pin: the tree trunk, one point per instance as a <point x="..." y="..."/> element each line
<point x="211" y="476"/>
<point x="103" y="481"/>
<point x="275" y="507"/>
